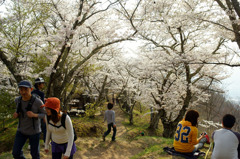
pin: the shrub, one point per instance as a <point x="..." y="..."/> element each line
<point x="7" y="106"/>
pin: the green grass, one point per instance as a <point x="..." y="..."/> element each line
<point x="151" y="144"/>
<point x="140" y="125"/>
<point x="150" y="150"/>
<point x="7" y="135"/>
<point x="153" y="147"/>
<point x="6" y="155"/>
<point x="9" y="123"/>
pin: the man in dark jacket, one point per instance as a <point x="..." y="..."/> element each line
<point x="39" y="85"/>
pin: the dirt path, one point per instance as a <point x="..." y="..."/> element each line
<point x="95" y="148"/>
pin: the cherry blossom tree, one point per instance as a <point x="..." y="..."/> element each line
<point x="81" y="30"/>
<point x="77" y="44"/>
<point x="224" y="15"/>
<point x="19" y="31"/>
<point x="172" y="68"/>
<point x="63" y="40"/>
<point x="112" y="78"/>
<point x="230" y="18"/>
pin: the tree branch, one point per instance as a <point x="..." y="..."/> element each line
<point x="236" y="7"/>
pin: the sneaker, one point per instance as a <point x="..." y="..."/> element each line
<point x="103" y="137"/>
<point x="113" y="140"/>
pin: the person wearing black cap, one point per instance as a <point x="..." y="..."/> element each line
<point x="39" y="85"/>
<point x="29" y="113"/>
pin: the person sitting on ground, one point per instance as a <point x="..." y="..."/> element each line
<point x="62" y="137"/>
<point x="110" y="117"/>
<point x="226" y="141"/>
<point x="185" y="139"/>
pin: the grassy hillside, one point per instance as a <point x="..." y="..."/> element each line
<point x="129" y="140"/>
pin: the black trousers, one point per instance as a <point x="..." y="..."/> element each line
<point x="109" y="130"/>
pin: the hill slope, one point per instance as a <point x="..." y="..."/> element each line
<point x="129" y="144"/>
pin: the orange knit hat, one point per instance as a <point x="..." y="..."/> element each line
<point x="52" y="103"/>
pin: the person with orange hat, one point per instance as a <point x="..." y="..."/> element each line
<point x="62" y="136"/>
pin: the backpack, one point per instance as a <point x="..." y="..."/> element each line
<point x="39" y="94"/>
<point x="36" y="95"/>
<point x="63" y="118"/>
<point x="29" y="108"/>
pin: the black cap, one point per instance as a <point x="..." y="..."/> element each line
<point x="25" y="83"/>
<point x="39" y="80"/>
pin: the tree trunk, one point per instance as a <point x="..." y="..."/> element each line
<point x="57" y="89"/>
<point x="68" y="98"/>
<point x="131" y="118"/>
<point x="154" y="121"/>
<point x="11" y="65"/>
<point x="131" y="113"/>
<point x="169" y="129"/>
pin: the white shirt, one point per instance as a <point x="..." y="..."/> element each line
<point x="60" y="135"/>
<point x="109" y="116"/>
<point x="226" y="143"/>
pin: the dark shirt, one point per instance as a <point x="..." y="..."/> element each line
<point x="25" y="125"/>
<point x="38" y="93"/>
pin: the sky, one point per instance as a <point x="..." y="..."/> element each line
<point x="232" y="85"/>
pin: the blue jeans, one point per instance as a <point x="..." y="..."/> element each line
<point x="109" y="130"/>
<point x="19" y="142"/>
<point x="200" y="144"/>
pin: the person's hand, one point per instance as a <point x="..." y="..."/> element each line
<point x="202" y="135"/>
<point x="65" y="157"/>
<point x="30" y="114"/>
<point x="114" y="125"/>
<point x="46" y="150"/>
<point x="15" y="115"/>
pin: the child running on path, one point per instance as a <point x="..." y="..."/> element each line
<point x="110" y="117"/>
